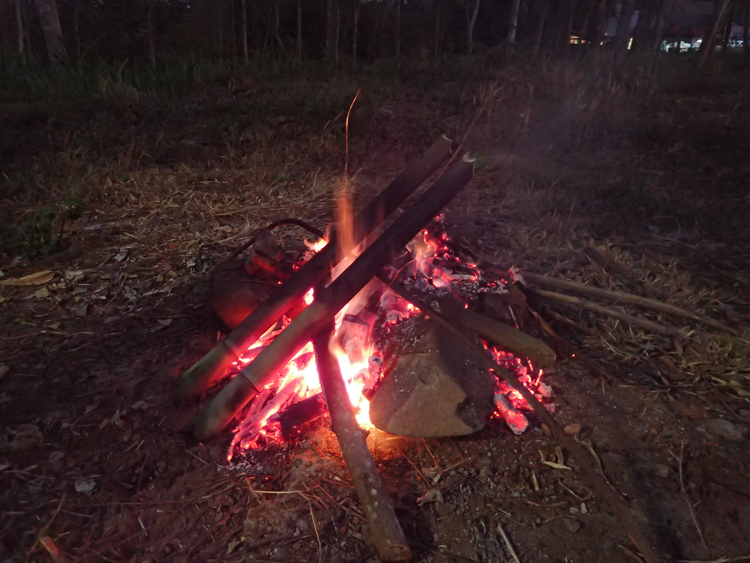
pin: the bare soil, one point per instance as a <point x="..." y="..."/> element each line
<point x="623" y="183"/>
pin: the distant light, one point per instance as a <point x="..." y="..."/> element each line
<point x="630" y="43"/>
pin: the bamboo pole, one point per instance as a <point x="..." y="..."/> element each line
<point x="643" y="323"/>
<point x="225" y="406"/>
<point x="509" y="338"/>
<point x="208" y="369"/>
<point x="617" y="504"/>
<point x="623" y="297"/>
<point x="385" y="531"/>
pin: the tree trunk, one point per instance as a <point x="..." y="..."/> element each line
<point x="623" y="32"/>
<point x="569" y="12"/>
<point x="19" y="24"/>
<point x="510" y="42"/>
<point x="708" y="38"/>
<point x="243" y="17"/>
<point x="299" y="29"/>
<point x="540" y="29"/>
<point x="221" y="32"/>
<point x="330" y="29"/>
<point x="277" y="35"/>
<point x="53" y="36"/>
<point x="728" y="30"/>
<point x="355" y="32"/>
<point x="437" y="28"/>
<point x="745" y="34"/>
<point x="472" y="19"/>
<point x="150" y="32"/>
<point x="338" y="32"/>
<point x="656" y="45"/>
<point x="234" y="30"/>
<point x="398" y="30"/>
<point x="597" y="36"/>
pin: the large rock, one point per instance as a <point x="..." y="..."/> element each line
<point x="436" y="387"/>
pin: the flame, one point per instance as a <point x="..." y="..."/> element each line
<point x="432" y="264"/>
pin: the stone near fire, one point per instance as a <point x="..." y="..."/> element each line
<point x="436" y="388"/>
<point x="234" y="294"/>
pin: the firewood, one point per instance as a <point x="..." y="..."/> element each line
<point x="208" y="369"/>
<point x="643" y="323"/>
<point x="228" y="402"/>
<point x="623" y="297"/>
<point x="385" y="531"/>
<point x="506" y="337"/>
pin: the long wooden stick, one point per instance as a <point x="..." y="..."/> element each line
<point x="385" y="531"/>
<point x="616" y="503"/>
<point x="623" y="297"/>
<point x="225" y="406"/>
<point x="209" y="368"/>
<point x="507" y="337"/>
<point x="643" y="323"/>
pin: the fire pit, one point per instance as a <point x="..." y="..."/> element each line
<point x="362" y="345"/>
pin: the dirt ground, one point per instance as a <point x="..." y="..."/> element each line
<point x="621" y="182"/>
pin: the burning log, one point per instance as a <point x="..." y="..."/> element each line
<point x="385" y="531"/>
<point x="204" y="372"/>
<point x="228" y="402"/>
<point x="511" y="339"/>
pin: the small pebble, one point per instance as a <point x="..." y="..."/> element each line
<point x="573" y="429"/>
<point x="572" y="525"/>
<point x="724" y="428"/>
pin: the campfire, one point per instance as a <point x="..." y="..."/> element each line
<point x="350" y="328"/>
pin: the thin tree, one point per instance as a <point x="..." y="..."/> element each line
<point x="566" y="27"/>
<point x="150" y="34"/>
<point x="471" y="20"/>
<point x="540" y="29"/>
<point x="510" y="41"/>
<point x="398" y="30"/>
<point x="330" y="29"/>
<point x="276" y="33"/>
<point x="708" y="38"/>
<point x="745" y="34"/>
<point x="299" y="29"/>
<point x="597" y="35"/>
<point x="622" y="40"/>
<point x="437" y="28"/>
<point x="53" y="36"/>
<point x="355" y="32"/>
<point x="728" y="30"/>
<point x="338" y="32"/>
<point x="19" y="24"/>
<point x="243" y="7"/>
<point x="656" y="46"/>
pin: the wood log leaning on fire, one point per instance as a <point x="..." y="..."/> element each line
<point x="616" y="296"/>
<point x="238" y="392"/>
<point x="208" y="369"/>
<point x="385" y="531"/>
<point x="614" y="500"/>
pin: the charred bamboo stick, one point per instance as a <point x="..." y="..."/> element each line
<point x="617" y="504"/>
<point x="615" y="314"/>
<point x="509" y="338"/>
<point x="227" y="403"/>
<point x="385" y="531"/>
<point x="623" y="297"/>
<point x="204" y="372"/>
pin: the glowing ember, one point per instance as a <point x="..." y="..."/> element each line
<point x="430" y="266"/>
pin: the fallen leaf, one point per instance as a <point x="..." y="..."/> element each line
<point x="4" y="465"/>
<point x="139" y="405"/>
<point x="573" y="429"/>
<point x="433" y="495"/>
<point x="39" y="278"/>
<point x="3" y="370"/>
<point x="41" y="293"/>
<point x="52" y="549"/>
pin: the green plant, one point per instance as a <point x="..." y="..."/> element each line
<point x="38" y="235"/>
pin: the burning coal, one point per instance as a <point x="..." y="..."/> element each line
<point x="432" y="266"/>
